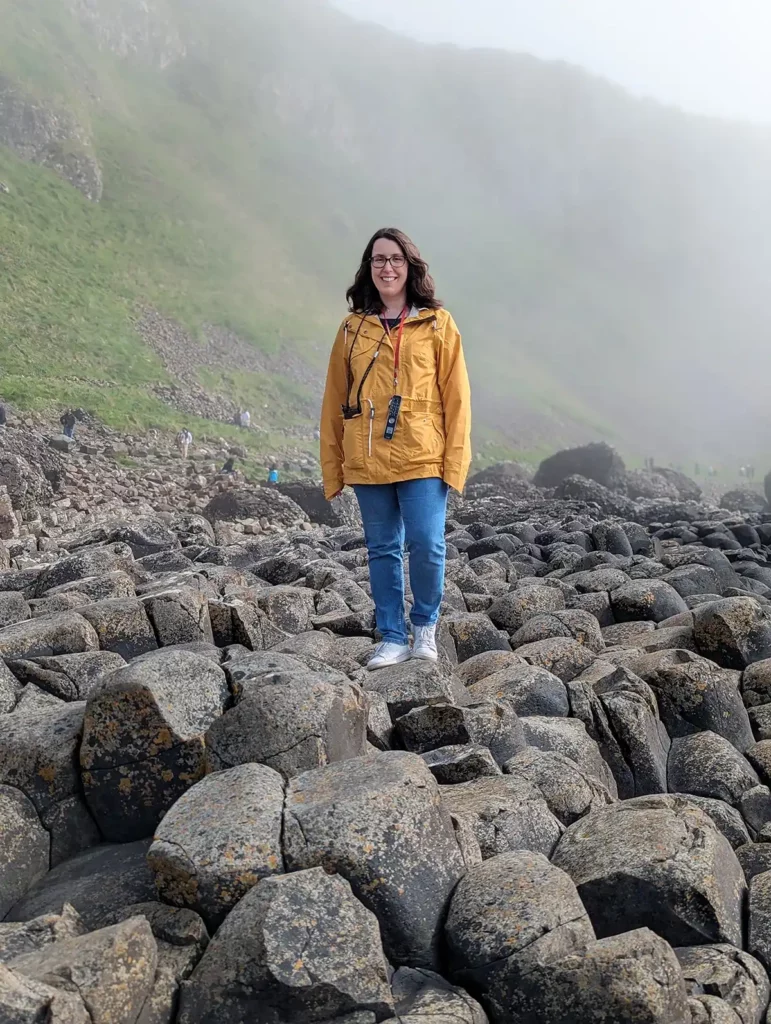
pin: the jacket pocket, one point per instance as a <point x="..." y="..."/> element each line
<point x="353" y="446"/>
<point x="419" y="437"/>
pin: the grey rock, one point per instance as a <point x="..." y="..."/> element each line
<point x="529" y="689"/>
<point x="725" y="973"/>
<point x="569" y="791"/>
<point x="564" y="657"/>
<point x="706" y="764"/>
<point x="508" y="917"/>
<point x="122" y="625"/>
<point x="96" y="883"/>
<point x="654" y="600"/>
<point x="71" y="677"/>
<point x="25" y="847"/>
<point x="24" y="1001"/>
<point x="17" y="938"/>
<point x="65" y="633"/>
<point x="460" y="763"/>
<point x="492" y="724"/>
<point x="506" y="813"/>
<point x="90" y="562"/>
<point x="756" y="683"/>
<point x="734" y="632"/>
<point x="179" y="616"/>
<point x="112" y="970"/>
<point x="297" y="948"/>
<point x="473" y="634"/>
<point x="486" y="664"/>
<point x="422" y="997"/>
<point x="218" y="840"/>
<point x="568" y="736"/>
<point x="143" y="740"/>
<point x="291" y="726"/>
<point x="511" y="611"/>
<point x="13" y="608"/>
<point x="573" y="623"/>
<point x="371" y="819"/>
<point x="667" y="869"/>
<point x="414" y="684"/>
<point x="759" y="928"/>
<point x="755" y="858"/>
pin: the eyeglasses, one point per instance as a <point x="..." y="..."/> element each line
<point x="380" y="261"/>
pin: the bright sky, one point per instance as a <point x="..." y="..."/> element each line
<point x="707" y="56"/>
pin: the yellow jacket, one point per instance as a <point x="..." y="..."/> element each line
<point x="432" y="437"/>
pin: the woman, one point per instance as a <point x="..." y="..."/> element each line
<point x="395" y="426"/>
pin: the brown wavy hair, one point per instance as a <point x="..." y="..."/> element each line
<point x="363" y="296"/>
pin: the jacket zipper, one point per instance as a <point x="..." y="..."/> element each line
<point x="371" y="421"/>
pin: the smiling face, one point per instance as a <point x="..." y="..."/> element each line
<point x="390" y="280"/>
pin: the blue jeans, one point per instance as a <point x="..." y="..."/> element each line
<point x="413" y="511"/>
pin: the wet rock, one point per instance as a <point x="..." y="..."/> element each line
<point x="218" y="840"/>
<point x="143" y="740"/>
<point x="297" y="947"/>
<point x="371" y="819"/>
<point x="667" y="869"/>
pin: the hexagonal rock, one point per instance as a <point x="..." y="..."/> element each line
<point x="568" y="736"/>
<point x="721" y="970"/>
<point x="297" y="947"/>
<point x="292" y="609"/>
<point x="485" y="664"/>
<point x="112" y="970"/>
<point x="652" y="600"/>
<point x="29" y="936"/>
<point x="96" y="882"/>
<point x="706" y="764"/>
<point x="569" y="791"/>
<point x="460" y="763"/>
<point x="695" y="695"/>
<point x="218" y="840"/>
<point x="599" y="580"/>
<point x="529" y="689"/>
<point x="759" y="931"/>
<point x="491" y="724"/>
<point x="89" y="562"/>
<point x="506" y="814"/>
<point x="39" y="755"/>
<point x="734" y="632"/>
<point x="756" y="684"/>
<point x="143" y="740"/>
<point x="414" y="684"/>
<point x="564" y="657"/>
<point x="725" y="818"/>
<point x="508" y="916"/>
<point x="511" y="611"/>
<point x="372" y="820"/>
<point x="24" y="847"/>
<point x="668" y="869"/>
<point x="179" y="616"/>
<point x="71" y="677"/>
<point x="291" y="726"/>
<point x="122" y="625"/>
<point x="63" y="633"/>
<point x="573" y="623"/>
<point x="474" y="633"/>
<point x="421" y="995"/>
<point x="23" y="1000"/>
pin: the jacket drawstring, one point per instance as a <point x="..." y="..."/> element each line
<point x="371" y="421"/>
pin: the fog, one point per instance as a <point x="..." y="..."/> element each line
<point x="706" y="56"/>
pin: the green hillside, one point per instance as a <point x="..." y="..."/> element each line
<point x="602" y="254"/>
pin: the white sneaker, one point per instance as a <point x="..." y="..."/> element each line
<point x="424" y="647"/>
<point x="387" y="653"/>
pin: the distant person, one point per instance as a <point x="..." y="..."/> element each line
<point x="245" y="419"/>
<point x="273" y="476"/>
<point x="3" y="417"/>
<point x="184" y="440"/>
<point x="229" y="467"/>
<point x="317" y="434"/>
<point x="68" y="421"/>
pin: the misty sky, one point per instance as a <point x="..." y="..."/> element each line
<point x="709" y="56"/>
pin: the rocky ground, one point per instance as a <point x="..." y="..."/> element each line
<point x="212" y="813"/>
